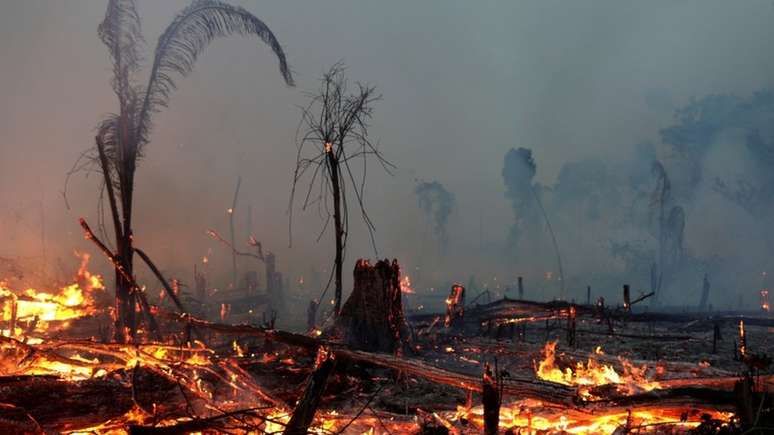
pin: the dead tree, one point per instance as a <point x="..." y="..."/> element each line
<point x="491" y="396"/>
<point x="231" y="212"/>
<point x="705" y="289"/>
<point x="333" y="132"/>
<point x="671" y="226"/>
<point x="122" y="136"/>
<point x="372" y="318"/>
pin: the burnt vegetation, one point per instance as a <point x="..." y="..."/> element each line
<point x="632" y="346"/>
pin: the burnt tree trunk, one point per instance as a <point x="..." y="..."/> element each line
<point x="304" y="413"/>
<point x="455" y="307"/>
<point x="338" y="225"/>
<point x="125" y="313"/>
<point x="491" y="396"/>
<point x="372" y="318"/>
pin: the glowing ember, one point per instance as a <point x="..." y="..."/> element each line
<point x="529" y="416"/>
<point x="592" y="373"/>
<point x="405" y="285"/>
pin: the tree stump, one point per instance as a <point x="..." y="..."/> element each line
<point x="372" y="318"/>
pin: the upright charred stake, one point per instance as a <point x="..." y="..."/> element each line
<point x="455" y="306"/>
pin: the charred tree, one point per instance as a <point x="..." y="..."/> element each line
<point x="705" y="290"/>
<point x="491" y="396"/>
<point x="372" y="318"/>
<point x="122" y="136"/>
<point x="333" y="132"/>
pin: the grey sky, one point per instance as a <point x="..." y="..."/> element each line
<point x="462" y="81"/>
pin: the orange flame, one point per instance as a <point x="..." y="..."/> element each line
<point x="586" y="375"/>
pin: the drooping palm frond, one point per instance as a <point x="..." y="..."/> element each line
<point x="185" y="39"/>
<point x="120" y="31"/>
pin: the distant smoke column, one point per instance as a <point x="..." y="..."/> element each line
<point x="437" y="204"/>
<point x="519" y="170"/>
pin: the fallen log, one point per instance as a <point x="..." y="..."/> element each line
<point x="692" y="390"/>
<point x="303" y="414"/>
<point x="59" y="405"/>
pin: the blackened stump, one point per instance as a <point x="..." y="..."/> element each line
<point x="372" y="318"/>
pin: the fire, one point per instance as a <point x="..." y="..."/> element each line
<point x="37" y="307"/>
<point x="405" y="285"/>
<point x="529" y="416"/>
<point x="592" y="373"/>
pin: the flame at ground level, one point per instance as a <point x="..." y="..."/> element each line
<point x="527" y="416"/>
<point x="592" y="373"/>
<point x="38" y="307"/>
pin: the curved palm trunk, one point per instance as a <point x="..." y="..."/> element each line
<point x="123" y="288"/>
<point x="126" y="254"/>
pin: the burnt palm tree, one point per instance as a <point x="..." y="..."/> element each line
<point x="122" y="136"/>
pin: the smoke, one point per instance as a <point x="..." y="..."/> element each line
<point x="437" y="204"/>
<point x="593" y="91"/>
<point x="519" y="170"/>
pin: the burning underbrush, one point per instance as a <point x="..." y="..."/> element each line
<point x="58" y="375"/>
<point x="593" y="374"/>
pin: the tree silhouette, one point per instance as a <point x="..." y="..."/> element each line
<point x="334" y="131"/>
<point x="122" y="136"/>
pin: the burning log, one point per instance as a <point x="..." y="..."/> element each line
<point x="372" y="318"/>
<point x="514" y="385"/>
<point x="306" y="408"/>
<point x="56" y="405"/>
<point x="455" y="306"/>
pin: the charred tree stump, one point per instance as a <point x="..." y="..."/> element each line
<point x="743" y="394"/>
<point x="372" y="318"/>
<point x="304" y="413"/>
<point x="571" y="313"/>
<point x="491" y="396"/>
<point x="455" y="307"/>
<point x="626" y="296"/>
<point x="600" y="309"/>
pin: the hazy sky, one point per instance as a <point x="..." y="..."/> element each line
<point x="462" y="82"/>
